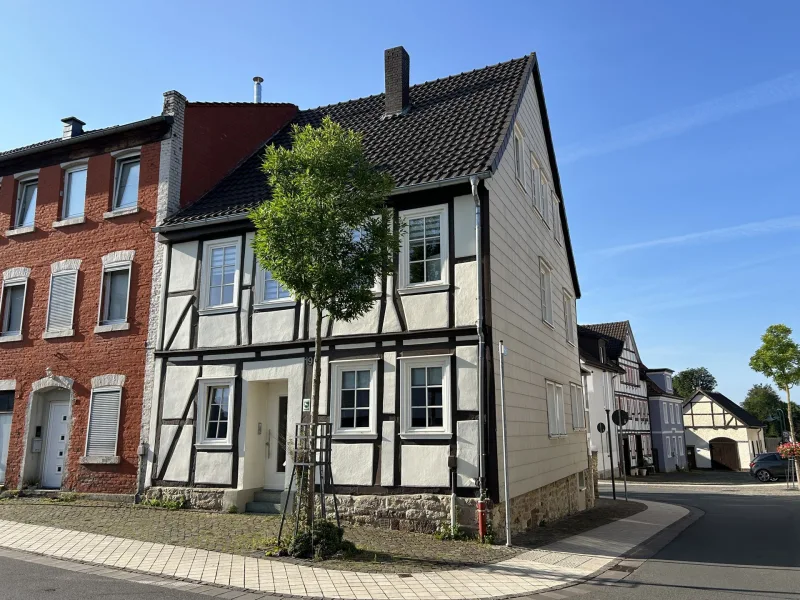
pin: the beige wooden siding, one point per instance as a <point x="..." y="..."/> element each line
<point x="518" y="238"/>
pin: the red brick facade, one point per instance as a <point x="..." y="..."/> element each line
<point x="86" y="354"/>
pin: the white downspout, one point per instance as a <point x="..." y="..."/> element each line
<point x="474" y="180"/>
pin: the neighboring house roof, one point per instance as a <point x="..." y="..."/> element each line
<point x="614" y="334"/>
<point x="731" y="406"/>
<point x="589" y="351"/>
<point x="456" y="127"/>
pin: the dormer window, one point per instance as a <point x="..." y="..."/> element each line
<point x="601" y="344"/>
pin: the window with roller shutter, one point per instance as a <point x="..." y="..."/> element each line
<point x="101" y="438"/>
<point x="62" y="302"/>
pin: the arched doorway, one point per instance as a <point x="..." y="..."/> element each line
<point x="724" y="454"/>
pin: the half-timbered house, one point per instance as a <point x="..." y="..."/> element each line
<point x="404" y="385"/>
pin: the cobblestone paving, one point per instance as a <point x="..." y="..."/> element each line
<point x="248" y="535"/>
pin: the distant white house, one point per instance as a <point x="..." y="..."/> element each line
<point x="720" y="433"/>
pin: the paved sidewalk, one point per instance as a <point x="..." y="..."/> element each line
<point x="563" y="563"/>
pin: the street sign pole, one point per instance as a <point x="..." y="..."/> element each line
<point x="620" y="447"/>
<point x="611" y="455"/>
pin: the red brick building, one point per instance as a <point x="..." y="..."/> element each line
<point x="81" y="273"/>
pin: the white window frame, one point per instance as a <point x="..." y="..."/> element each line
<point x="74" y="168"/>
<point x="669" y="383"/>
<point x="119" y="160"/>
<point x="205" y="287"/>
<point x="102" y="307"/>
<point x="203" y="384"/>
<point x="545" y="200"/>
<point x="557" y="232"/>
<point x="406" y="431"/>
<point x="21" y="185"/>
<point x="558" y="407"/>
<point x="536" y="185"/>
<point x="680" y="445"/>
<point x="569" y="317"/>
<point x="669" y="446"/>
<point x="51" y="333"/>
<point x="578" y="408"/>
<point x="443" y="283"/>
<point x="546" y="291"/>
<point x="12" y="282"/>
<point x="86" y="454"/>
<point x="337" y="367"/>
<point x="666" y="413"/>
<point x="261" y="301"/>
<point x="519" y="156"/>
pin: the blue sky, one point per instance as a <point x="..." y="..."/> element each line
<point x="676" y="125"/>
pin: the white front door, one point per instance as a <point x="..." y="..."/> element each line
<point x="56" y="445"/>
<point x="275" y="451"/>
<point x="5" y="434"/>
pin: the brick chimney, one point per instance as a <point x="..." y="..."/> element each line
<point x="73" y="127"/>
<point x="396" y="64"/>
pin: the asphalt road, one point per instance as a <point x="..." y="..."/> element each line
<point x="744" y="546"/>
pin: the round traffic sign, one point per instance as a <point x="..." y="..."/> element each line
<point x="620" y="417"/>
<point x="601" y="427"/>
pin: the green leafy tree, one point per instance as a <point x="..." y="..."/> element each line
<point x="763" y="402"/>
<point x="778" y="359"/>
<point x="688" y="381"/>
<point x="326" y="233"/>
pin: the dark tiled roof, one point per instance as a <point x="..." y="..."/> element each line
<point x="57" y="141"/>
<point x="454" y="129"/>
<point x="614" y="334"/>
<point x="733" y="408"/>
<point x="653" y="389"/>
<point x="589" y="350"/>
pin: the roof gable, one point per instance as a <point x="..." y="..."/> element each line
<point x="727" y="405"/>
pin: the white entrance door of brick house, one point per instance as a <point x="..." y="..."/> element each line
<point x="56" y="445"/>
<point x="5" y="435"/>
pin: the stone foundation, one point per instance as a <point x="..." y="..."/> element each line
<point x="203" y="498"/>
<point x="544" y="505"/>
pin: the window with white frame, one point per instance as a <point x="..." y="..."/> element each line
<point x="557" y="233"/>
<point x="13" y="306"/>
<point x="103" y="430"/>
<point x="126" y="183"/>
<point x="578" y="412"/>
<point x="425" y="247"/>
<point x="569" y="317"/>
<point x="669" y="383"/>
<point x="353" y="395"/>
<point x="536" y="185"/>
<point x="675" y="445"/>
<point x="269" y="291"/>
<point x="546" y="204"/>
<point x="552" y="215"/>
<point x="425" y="397"/>
<point x="215" y="412"/>
<point x="61" y="306"/>
<point x="680" y="445"/>
<point x="546" y="291"/>
<point x="556" y="422"/>
<point x="221" y="274"/>
<point x="519" y="166"/>
<point x="26" y="203"/>
<point x="115" y="290"/>
<point x="669" y="446"/>
<point x="74" y="192"/>
<point x="666" y="412"/>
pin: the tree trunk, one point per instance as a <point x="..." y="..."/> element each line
<point x="310" y="493"/>
<point x="791" y="427"/>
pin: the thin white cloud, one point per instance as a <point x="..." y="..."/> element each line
<point x="761" y="95"/>
<point x="724" y="234"/>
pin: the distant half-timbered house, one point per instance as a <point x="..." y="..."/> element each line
<point x="403" y="385"/>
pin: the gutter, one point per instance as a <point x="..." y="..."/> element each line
<point x="406" y="189"/>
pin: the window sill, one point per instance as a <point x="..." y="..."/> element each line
<point x="275" y="304"/>
<point x="557" y="436"/>
<point x="211" y="446"/>
<point x="49" y="335"/>
<point x="10" y="338"/>
<point x="421" y="289"/>
<point x="20" y="230"/>
<point x="422" y="435"/>
<point x="355" y="435"/>
<point x="69" y="222"/>
<point x="550" y="325"/>
<point x="109" y="327"/>
<point x="217" y="310"/>
<point x="121" y="212"/>
<point x="100" y="460"/>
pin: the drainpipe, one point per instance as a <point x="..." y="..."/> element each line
<point x="474" y="180"/>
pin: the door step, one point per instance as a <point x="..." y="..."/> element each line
<point x="264" y="508"/>
<point x="268" y="496"/>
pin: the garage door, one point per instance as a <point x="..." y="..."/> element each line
<point x="724" y="454"/>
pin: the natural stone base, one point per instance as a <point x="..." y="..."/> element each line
<point x="203" y="498"/>
<point x="544" y="505"/>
